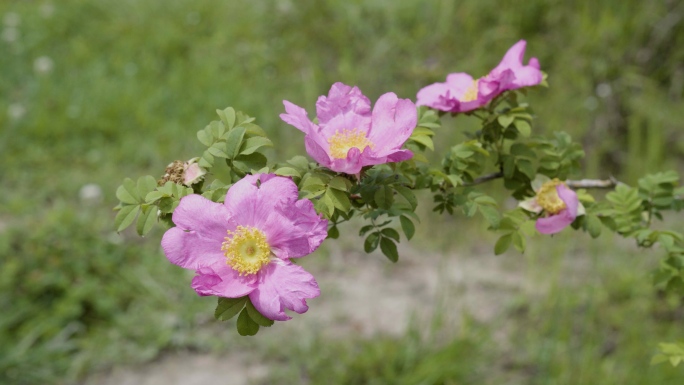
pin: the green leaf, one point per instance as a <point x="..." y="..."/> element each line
<point x="389" y="249"/>
<point x="127" y="192"/>
<point x="247" y="163"/>
<point x="146" y="184"/>
<point x="256" y="316"/>
<point x="146" y="220"/>
<point x="227" y="117"/>
<point x="407" y="226"/>
<point x="383" y="197"/>
<point x="153" y="196"/>
<point x="218" y="150"/>
<point x="424" y="140"/>
<point x="365" y="229"/>
<point x="205" y="137"/>
<point x="253" y="144"/>
<point x="340" y="183"/>
<point x="491" y="214"/>
<point x="299" y="162"/>
<point x="523" y="127"/>
<point x="519" y="241"/>
<point x="503" y="244"/>
<point x="408" y="194"/>
<point x="371" y="242"/>
<point x="126" y="216"/>
<point x="228" y="308"/>
<point x="593" y="225"/>
<point x="505" y="120"/>
<point x="390" y="233"/>
<point x="246" y="326"/>
<point x="288" y="171"/>
<point x="333" y="232"/>
<point x="339" y="199"/>
<point x="234" y="141"/>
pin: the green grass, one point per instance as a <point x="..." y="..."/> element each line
<point x="132" y="81"/>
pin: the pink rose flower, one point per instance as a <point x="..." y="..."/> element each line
<point x="557" y="201"/>
<point x="349" y="135"/>
<point x="462" y="93"/>
<point x="243" y="246"/>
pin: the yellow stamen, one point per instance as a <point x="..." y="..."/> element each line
<point x="246" y="250"/>
<point x="548" y="199"/>
<point x="471" y="92"/>
<point x="342" y="142"/>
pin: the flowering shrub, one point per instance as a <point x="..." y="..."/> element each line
<point x="239" y="235"/>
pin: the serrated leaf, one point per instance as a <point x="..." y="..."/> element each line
<point x="523" y="127"/>
<point x="390" y="233"/>
<point x="339" y="199"/>
<point x="127" y="192"/>
<point x="253" y="144"/>
<point x="365" y="229"/>
<point x="593" y="225"/>
<point x="491" y="214"/>
<point x="256" y="316"/>
<point x="407" y="226"/>
<point x="218" y="150"/>
<point x="146" y="220"/>
<point x="371" y="242"/>
<point x="205" y="138"/>
<point x="389" y="249"/>
<point x="340" y="183"/>
<point x="288" y="171"/>
<point x="125" y="217"/>
<point x="333" y="232"/>
<point x="519" y="242"/>
<point x="228" y="308"/>
<point x="227" y="117"/>
<point x="408" y="194"/>
<point x="234" y="141"/>
<point x="253" y="129"/>
<point x="325" y="205"/>
<point x="505" y="120"/>
<point x="153" y="196"/>
<point x="247" y="163"/>
<point x="503" y="244"/>
<point x="424" y="140"/>
<point x="299" y="162"/>
<point x="383" y="197"/>
<point x="246" y="325"/>
<point x="146" y="184"/>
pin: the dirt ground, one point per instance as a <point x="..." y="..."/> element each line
<point x="385" y="297"/>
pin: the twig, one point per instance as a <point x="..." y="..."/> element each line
<point x="484" y="178"/>
<point x="593" y="183"/>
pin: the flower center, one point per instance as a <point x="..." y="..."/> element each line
<point x="471" y="92"/>
<point x="548" y="198"/>
<point x="246" y="250"/>
<point x="342" y="142"/>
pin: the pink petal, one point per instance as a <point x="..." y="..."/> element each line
<point x="191" y="250"/>
<point x="554" y="223"/>
<point x="569" y="197"/>
<point x="251" y="205"/>
<point x="297" y="117"/>
<point x="393" y="122"/>
<point x="435" y="96"/>
<point x="315" y="148"/>
<point x="341" y="99"/>
<point x="197" y="213"/>
<point x="221" y="280"/>
<point x="300" y="231"/>
<point x="348" y="121"/>
<point x="283" y="285"/>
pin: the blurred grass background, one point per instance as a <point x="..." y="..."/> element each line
<point x="92" y="91"/>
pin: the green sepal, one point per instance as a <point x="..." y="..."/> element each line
<point x="256" y="316"/>
<point x="227" y="308"/>
<point x="246" y="326"/>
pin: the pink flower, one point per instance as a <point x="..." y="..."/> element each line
<point x="462" y="93"/>
<point x="556" y="200"/>
<point x="348" y="135"/>
<point x="243" y="246"/>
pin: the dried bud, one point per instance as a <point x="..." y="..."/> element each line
<point x="187" y="173"/>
